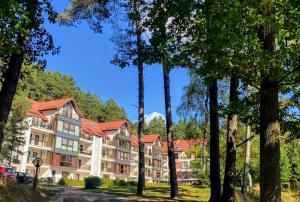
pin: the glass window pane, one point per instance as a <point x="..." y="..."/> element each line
<point x="58" y="142"/>
<point x="77" y="130"/>
<point x="60" y="126"/>
<point x="75" y="146"/>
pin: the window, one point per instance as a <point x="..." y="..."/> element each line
<point x="78" y="176"/>
<point x="148" y="173"/>
<point x="67" y="111"/>
<point x="34" y="154"/>
<point x="79" y="163"/>
<point x="35" y="121"/>
<point x="176" y="155"/>
<point x="122" y="170"/>
<point x="36" y="139"/>
<point x="66" y="144"/>
<point x="81" y="148"/>
<point x="53" y="173"/>
<point x="65" y="174"/>
<point x="149" y="152"/>
<point x="28" y="157"/>
<point x="66" y="160"/>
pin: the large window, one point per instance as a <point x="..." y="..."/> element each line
<point x="67" y="144"/>
<point x="66" y="160"/>
<point x="68" y="128"/>
<point x="67" y="111"/>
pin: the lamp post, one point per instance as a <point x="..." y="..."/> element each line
<point x="37" y="162"/>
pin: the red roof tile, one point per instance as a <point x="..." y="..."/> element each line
<point x="91" y="127"/>
<point x="37" y="108"/>
<point x="151" y="138"/>
<point x="112" y="125"/>
<point x="186" y="145"/>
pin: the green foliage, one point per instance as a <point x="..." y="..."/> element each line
<point x="47" y="85"/>
<point x="92" y="182"/>
<point x="285" y="167"/>
<point x="74" y="182"/>
<point x="157" y="126"/>
<point x="122" y="183"/>
<point x="62" y="181"/>
<point x="15" y="128"/>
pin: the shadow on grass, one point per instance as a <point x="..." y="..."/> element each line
<point x="152" y="193"/>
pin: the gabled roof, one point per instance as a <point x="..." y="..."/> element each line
<point x="91" y="127"/>
<point x="112" y="125"/>
<point x="37" y="108"/>
<point x="186" y="145"/>
<point x="151" y="138"/>
<point x="182" y="145"/>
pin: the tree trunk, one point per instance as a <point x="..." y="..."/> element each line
<point x="215" y="181"/>
<point x="246" y="175"/>
<point x="10" y="84"/>
<point x="169" y="124"/>
<point x="230" y="171"/>
<point x="270" y="186"/>
<point x="206" y="122"/>
<point x="141" y="168"/>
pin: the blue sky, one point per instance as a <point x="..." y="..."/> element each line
<point x="86" y="56"/>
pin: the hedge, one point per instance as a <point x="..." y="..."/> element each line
<point x="92" y="182"/>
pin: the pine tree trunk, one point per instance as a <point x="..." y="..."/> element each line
<point x="215" y="181"/>
<point x="141" y="167"/>
<point x="270" y="186"/>
<point x="10" y="84"/>
<point x="169" y="124"/>
<point x="246" y="175"/>
<point x="228" y="193"/>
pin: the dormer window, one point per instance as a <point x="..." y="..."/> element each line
<point x="122" y="130"/>
<point x="67" y="111"/>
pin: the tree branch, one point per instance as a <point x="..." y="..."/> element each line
<point x="245" y="141"/>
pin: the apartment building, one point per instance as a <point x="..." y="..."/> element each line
<point x="184" y="155"/>
<point x="75" y="147"/>
<point x="72" y="146"/>
<point x="153" y="158"/>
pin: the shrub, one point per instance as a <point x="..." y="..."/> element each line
<point x="74" y="183"/>
<point x="116" y="182"/>
<point x="122" y="183"/>
<point x="92" y="182"/>
<point x="132" y="183"/>
<point x="62" y="181"/>
<point x="107" y="182"/>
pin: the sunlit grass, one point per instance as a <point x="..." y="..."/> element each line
<point x="159" y="192"/>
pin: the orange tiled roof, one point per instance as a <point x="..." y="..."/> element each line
<point x="91" y="127"/>
<point x="182" y="145"/>
<point x="151" y="138"/>
<point x="112" y="125"/>
<point x="186" y="145"/>
<point x="37" y="108"/>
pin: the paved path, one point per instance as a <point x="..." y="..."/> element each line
<point x="66" y="194"/>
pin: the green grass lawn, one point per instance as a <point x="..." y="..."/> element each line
<point x="159" y="192"/>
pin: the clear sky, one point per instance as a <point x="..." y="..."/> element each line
<point x="86" y="56"/>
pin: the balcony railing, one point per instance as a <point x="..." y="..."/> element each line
<point x="108" y="142"/>
<point x="122" y="136"/>
<point x="39" y="143"/>
<point x="84" y="167"/>
<point x="86" y="152"/>
<point x="108" y="156"/>
<point x="107" y="169"/>
<point x="42" y="124"/>
<point x="86" y="137"/>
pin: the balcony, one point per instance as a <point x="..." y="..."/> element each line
<point x="109" y="143"/>
<point x="107" y="156"/>
<point x="40" y="144"/>
<point x="38" y="123"/>
<point x="85" y="153"/>
<point x="123" y="137"/>
<point x="84" y="167"/>
<point x="109" y="170"/>
<point x="86" y="137"/>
